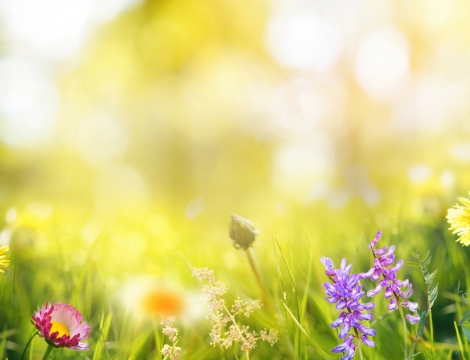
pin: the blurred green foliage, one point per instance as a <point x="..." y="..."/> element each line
<point x="103" y="201"/>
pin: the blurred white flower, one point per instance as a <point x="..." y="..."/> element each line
<point x="148" y="296"/>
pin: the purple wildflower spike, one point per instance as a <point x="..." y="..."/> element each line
<point x="410" y="305"/>
<point x="345" y="291"/>
<point x="330" y="267"/>
<point x="412" y="319"/>
<point x="385" y="267"/>
<point x="376" y="240"/>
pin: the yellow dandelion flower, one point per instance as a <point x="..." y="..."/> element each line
<point x="459" y="219"/>
<point x="3" y="262"/>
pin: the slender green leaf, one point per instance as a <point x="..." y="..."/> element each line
<point x="297" y="302"/>
<point x="414" y="254"/>
<point x="292" y="279"/>
<point x="433" y="296"/>
<point x="466" y="332"/>
<point x="295" y="320"/>
<point x="104" y="329"/>
<point x="428" y="279"/>
<point x="465" y="317"/>
<point x="312" y="341"/>
<point x="425" y="256"/>
<point x="415" y="264"/>
<point x="422" y="323"/>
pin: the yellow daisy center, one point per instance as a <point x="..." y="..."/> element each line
<point x="57" y="326"/>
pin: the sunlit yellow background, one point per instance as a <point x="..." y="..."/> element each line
<point x="144" y="124"/>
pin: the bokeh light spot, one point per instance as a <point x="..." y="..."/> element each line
<point x="304" y="41"/>
<point x="447" y="178"/>
<point x="418" y="173"/>
<point x="195" y="207"/>
<point x="53" y="28"/>
<point x="11" y="215"/>
<point x="382" y="62"/>
<point x="230" y="259"/>
<point x="41" y="208"/>
<point x="461" y="151"/>
<point x="29" y="101"/>
<point x="100" y="138"/>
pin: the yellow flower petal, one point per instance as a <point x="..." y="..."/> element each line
<point x="459" y="219"/>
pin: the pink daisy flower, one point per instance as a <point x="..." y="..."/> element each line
<point x="61" y="326"/>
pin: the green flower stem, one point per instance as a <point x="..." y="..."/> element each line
<point x="47" y="353"/>
<point x="404" y="325"/>
<point x="259" y="280"/>
<point x="462" y="352"/>
<point x="29" y="342"/>
<point x="432" y="334"/>
<point x="359" y="344"/>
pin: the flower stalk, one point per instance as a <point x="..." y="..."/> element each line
<point x="27" y="344"/>
<point x="48" y="352"/>
<point x="243" y="234"/>
<point x="264" y="290"/>
<point x="400" y="310"/>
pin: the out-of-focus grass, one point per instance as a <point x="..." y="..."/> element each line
<point x="51" y="264"/>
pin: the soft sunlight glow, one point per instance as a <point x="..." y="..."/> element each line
<point x="358" y="178"/>
<point x="41" y="208"/>
<point x="432" y="105"/>
<point x="195" y="207"/>
<point x="437" y="14"/>
<point x="119" y="186"/>
<point x="298" y="165"/>
<point x="447" y="178"/>
<point x="338" y="198"/>
<point x="106" y="10"/>
<point x="297" y="106"/>
<point x="92" y="230"/>
<point x="29" y="101"/>
<point x="418" y="173"/>
<point x="304" y="41"/>
<point x="11" y="215"/>
<point x="5" y="237"/>
<point x="53" y="28"/>
<point x="230" y="259"/>
<point x="461" y="151"/>
<point x="100" y="138"/>
<point x="382" y="63"/>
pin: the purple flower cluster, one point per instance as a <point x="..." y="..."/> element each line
<point x="384" y="267"/>
<point x="346" y="292"/>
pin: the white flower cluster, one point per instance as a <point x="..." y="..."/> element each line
<point x="173" y="351"/>
<point x="225" y="330"/>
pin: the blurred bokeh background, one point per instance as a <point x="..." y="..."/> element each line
<point x="146" y="123"/>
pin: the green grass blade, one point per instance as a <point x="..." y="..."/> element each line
<point x="105" y="323"/>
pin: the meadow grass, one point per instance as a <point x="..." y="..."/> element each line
<point x="286" y="256"/>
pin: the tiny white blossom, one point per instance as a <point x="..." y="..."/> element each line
<point x="221" y="317"/>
